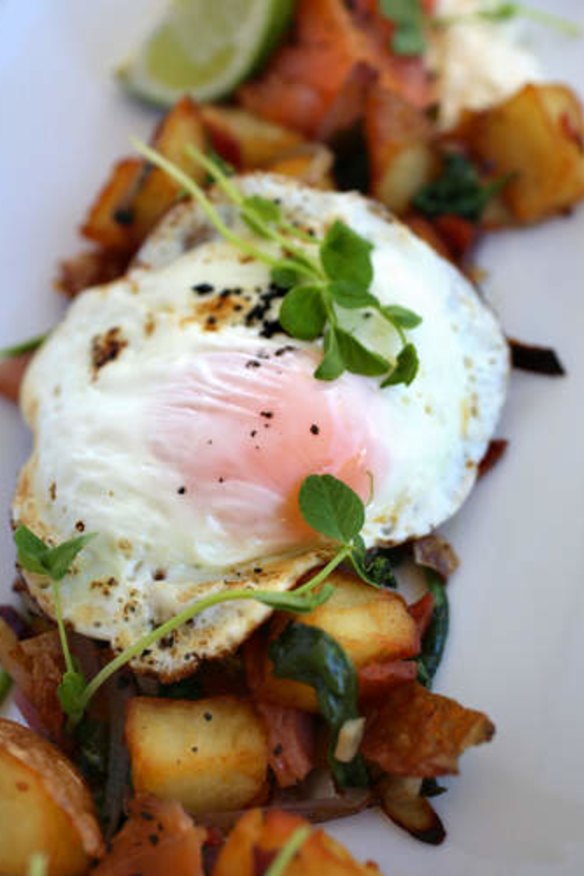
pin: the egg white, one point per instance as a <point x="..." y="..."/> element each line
<point x="92" y="469"/>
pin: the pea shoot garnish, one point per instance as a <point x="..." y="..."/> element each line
<point x="23" y="348"/>
<point x="292" y="845"/>
<point x="407" y="16"/>
<point x="328" y="505"/>
<point x="54" y="563"/>
<point x="322" y="278"/>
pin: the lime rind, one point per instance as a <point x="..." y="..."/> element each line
<point x="165" y="67"/>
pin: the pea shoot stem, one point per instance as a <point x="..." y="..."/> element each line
<point x="192" y="611"/>
<point x="204" y="203"/>
<point x="56" y="589"/>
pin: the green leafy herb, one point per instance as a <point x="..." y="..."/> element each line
<point x="434" y="640"/>
<point x="284" y="857"/>
<point x="374" y="566"/>
<point x="331" y="507"/>
<point x="409" y="36"/>
<point x="503" y="12"/>
<point x="25" y="347"/>
<point x="54" y="562"/>
<point x="406" y="368"/>
<point x="458" y="191"/>
<point x="5" y="685"/>
<point x="323" y="277"/>
<point x="309" y="655"/>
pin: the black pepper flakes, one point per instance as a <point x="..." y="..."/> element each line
<point x="181" y="491"/>
<point x="267" y="414"/>
<point x="203" y="288"/>
<point x="207" y="716"/>
<point x="253" y="433"/>
<point x="154" y="839"/>
<point x="80" y="526"/>
<point x="277" y="750"/>
<point x="314" y="430"/>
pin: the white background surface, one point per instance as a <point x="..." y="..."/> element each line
<point x="518" y="601"/>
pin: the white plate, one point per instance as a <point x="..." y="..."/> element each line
<point x="518" y="601"/>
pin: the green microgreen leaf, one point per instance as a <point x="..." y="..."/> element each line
<point x="24" y="347"/>
<point x="311" y="656"/>
<point x="357" y="358"/>
<point x="288" y="273"/>
<point x="332" y="364"/>
<point x="351" y="298"/>
<point x="36" y="556"/>
<point x="331" y="507"/>
<point x="408" y="37"/>
<point x="303" y="313"/>
<point x="406" y="367"/>
<point x="346" y="258"/>
<point x="284" y="857"/>
<point x="401" y="316"/>
<point x="266" y="210"/>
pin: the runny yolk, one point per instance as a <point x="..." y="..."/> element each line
<point x="242" y="433"/>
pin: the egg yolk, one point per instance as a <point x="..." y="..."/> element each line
<point x="242" y="432"/>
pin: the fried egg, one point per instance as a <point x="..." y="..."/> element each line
<point x="173" y="418"/>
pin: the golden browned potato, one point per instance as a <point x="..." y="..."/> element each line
<point x="420" y="733"/>
<point x="400" y="146"/>
<point x="371" y="625"/>
<point x="137" y="195"/>
<point x="537" y="137"/>
<point x="310" y="164"/>
<point x="44" y="807"/>
<point x="211" y="755"/>
<point x="258" y="836"/>
<point x="245" y="140"/>
<point x="402" y="802"/>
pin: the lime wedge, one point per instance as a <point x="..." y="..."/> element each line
<point x="205" y="48"/>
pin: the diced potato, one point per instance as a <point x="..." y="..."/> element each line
<point x="44" y="807"/>
<point x="419" y="733"/>
<point x="137" y="195"/>
<point x="400" y="148"/>
<point x="211" y="755"/>
<point x="310" y="164"/>
<point x="371" y="625"/>
<point x="245" y="140"/>
<point x="258" y="836"/>
<point x="101" y="224"/>
<point x="538" y="137"/>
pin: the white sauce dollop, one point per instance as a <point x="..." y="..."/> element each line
<point x="477" y="63"/>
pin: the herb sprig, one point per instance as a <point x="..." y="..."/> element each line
<point x="408" y="37"/>
<point x="327" y="504"/>
<point x="54" y="563"/>
<point x="323" y="278"/>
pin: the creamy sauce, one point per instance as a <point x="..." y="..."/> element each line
<point x="477" y="63"/>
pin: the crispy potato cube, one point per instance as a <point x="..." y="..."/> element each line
<point x="245" y="140"/>
<point x="137" y="195"/>
<point x="538" y="137"/>
<point x="419" y="733"/>
<point x="211" y="755"/>
<point x="101" y="224"/>
<point x="44" y="807"/>
<point x="370" y="625"/>
<point x="400" y="147"/>
<point x="258" y="836"/>
<point x="310" y="164"/>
